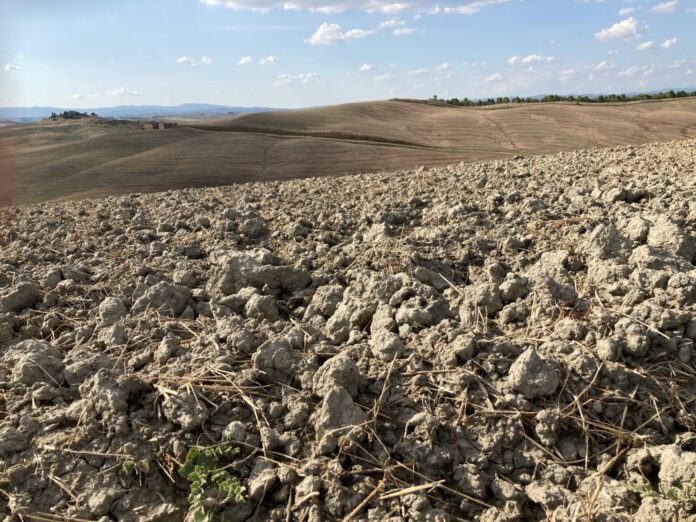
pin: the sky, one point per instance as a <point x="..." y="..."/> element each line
<point x="300" y="53"/>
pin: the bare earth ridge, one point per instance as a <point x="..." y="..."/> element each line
<point x="78" y="160"/>
<point x="501" y="341"/>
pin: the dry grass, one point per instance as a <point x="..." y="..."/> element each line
<point x="77" y="160"/>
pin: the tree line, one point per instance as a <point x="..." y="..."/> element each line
<point x="72" y="115"/>
<point x="602" y="98"/>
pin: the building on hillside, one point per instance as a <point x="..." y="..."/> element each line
<point x="157" y="125"/>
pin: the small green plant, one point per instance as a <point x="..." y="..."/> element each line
<point x="209" y="479"/>
<point x="683" y="493"/>
<point x="129" y="468"/>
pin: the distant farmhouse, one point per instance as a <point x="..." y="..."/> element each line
<point x="157" y="125"/>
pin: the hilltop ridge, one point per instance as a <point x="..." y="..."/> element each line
<point x="43" y="163"/>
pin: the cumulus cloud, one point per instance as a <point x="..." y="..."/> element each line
<point x="404" y="31"/>
<point x="371" y="6"/>
<point x="418" y="72"/>
<point x="626" y="11"/>
<point x="246" y="60"/>
<point x="669" y="43"/>
<point x="329" y="34"/>
<point x="367" y="67"/>
<point x="187" y="60"/>
<point x="392" y="22"/>
<point x="9" y="67"/>
<point x="535" y="58"/>
<point x="624" y="30"/>
<point x="646" y="45"/>
<point x="493" y="78"/>
<point x="530" y="59"/>
<point x="295" y="79"/>
<point x="665" y="7"/>
<point x="268" y="60"/>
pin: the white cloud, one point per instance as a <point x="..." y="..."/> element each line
<point x="669" y="43"/>
<point x="389" y="7"/>
<point x="443" y="67"/>
<point x="122" y="92"/>
<point x="612" y="51"/>
<point x="631" y="71"/>
<point x="245" y="60"/>
<point x="566" y="74"/>
<point x="367" y="67"/>
<point x="355" y="34"/>
<point x="530" y="59"/>
<point x="418" y="72"/>
<point x="468" y="8"/>
<point x="186" y="60"/>
<point x="626" y="11"/>
<point x="393" y="22"/>
<point x="404" y="31"/>
<point x="689" y="72"/>
<point x="624" y="30"/>
<point x="76" y="96"/>
<point x="496" y="77"/>
<point x="328" y="34"/>
<point x="646" y="45"/>
<point x="268" y="60"/>
<point x="295" y="79"/>
<point x="9" y="67"/>
<point x="676" y="64"/>
<point x="647" y="71"/>
<point x="383" y="78"/>
<point x="665" y="7"/>
<point x="604" y="66"/>
<point x="535" y="58"/>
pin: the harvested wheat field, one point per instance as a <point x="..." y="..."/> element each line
<point x="500" y="341"/>
<point x="50" y="161"/>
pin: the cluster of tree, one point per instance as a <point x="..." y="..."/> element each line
<point x="609" y="98"/>
<point x="72" y="115"/>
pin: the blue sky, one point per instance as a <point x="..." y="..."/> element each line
<point x="296" y="53"/>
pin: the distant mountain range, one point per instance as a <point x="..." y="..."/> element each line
<point x="30" y="114"/>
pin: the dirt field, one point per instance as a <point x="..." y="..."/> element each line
<point x="44" y="162"/>
<point x="500" y="341"/>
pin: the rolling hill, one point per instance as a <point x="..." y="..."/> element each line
<point x="64" y="160"/>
